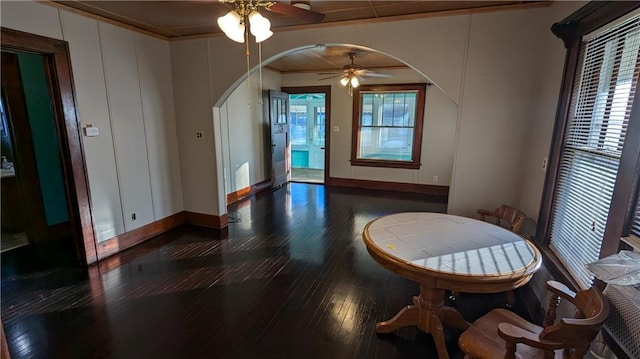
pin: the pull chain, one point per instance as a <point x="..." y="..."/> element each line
<point x="246" y="41"/>
<point x="260" y="56"/>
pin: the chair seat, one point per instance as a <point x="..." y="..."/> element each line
<point x="481" y="340"/>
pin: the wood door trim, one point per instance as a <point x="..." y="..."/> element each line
<point x="56" y="52"/>
<point x="326" y="90"/>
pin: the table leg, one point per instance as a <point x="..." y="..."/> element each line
<point x="435" y="328"/>
<point x="428" y="313"/>
<point x="452" y="318"/>
<point x="407" y="316"/>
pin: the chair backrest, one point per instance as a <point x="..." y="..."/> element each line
<point x="513" y="216"/>
<point x="592" y="309"/>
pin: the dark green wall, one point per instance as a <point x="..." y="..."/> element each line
<point x="45" y="139"/>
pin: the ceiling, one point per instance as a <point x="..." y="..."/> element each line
<point x="173" y="20"/>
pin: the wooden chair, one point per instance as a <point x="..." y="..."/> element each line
<point x="513" y="216"/>
<point x="503" y="334"/>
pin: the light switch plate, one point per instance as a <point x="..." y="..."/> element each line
<point x="91" y="131"/>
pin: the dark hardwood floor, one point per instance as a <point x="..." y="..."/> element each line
<point x="289" y="278"/>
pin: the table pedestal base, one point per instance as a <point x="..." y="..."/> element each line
<point x="429" y="314"/>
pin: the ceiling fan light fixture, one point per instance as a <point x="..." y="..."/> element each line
<point x="259" y="26"/>
<point x="355" y="82"/>
<point x="232" y="26"/>
<point x="344" y="81"/>
<point x="263" y="36"/>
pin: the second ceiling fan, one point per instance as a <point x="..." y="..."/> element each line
<point x="353" y="74"/>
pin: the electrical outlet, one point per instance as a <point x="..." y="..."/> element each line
<point x="544" y="164"/>
<point x="435" y="179"/>
<point x="133" y="216"/>
<point x="199" y="135"/>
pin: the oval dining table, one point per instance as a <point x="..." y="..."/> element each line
<point x="447" y="252"/>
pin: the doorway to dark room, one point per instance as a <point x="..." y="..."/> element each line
<point x="34" y="198"/>
<point x="48" y="202"/>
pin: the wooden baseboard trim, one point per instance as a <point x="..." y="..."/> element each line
<point x="248" y="191"/>
<point x="206" y="220"/>
<point x="129" y="239"/>
<point x="390" y="186"/>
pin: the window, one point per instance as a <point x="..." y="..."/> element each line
<point x="319" y="128"/>
<point x="597" y="151"/>
<point x="298" y="115"/>
<point x="635" y="221"/>
<point x="387" y="125"/>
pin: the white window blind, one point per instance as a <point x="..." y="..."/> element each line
<point x="635" y="226"/>
<point x="599" y="113"/>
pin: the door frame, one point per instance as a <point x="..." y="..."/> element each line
<point x="58" y="70"/>
<point x="326" y="90"/>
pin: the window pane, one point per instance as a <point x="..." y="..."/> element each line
<point x="280" y="107"/>
<point x="298" y="118"/>
<point x="367" y="110"/>
<point x="319" y="129"/>
<point x="378" y="143"/>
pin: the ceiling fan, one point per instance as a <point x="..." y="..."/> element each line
<point x="246" y="16"/>
<point x="353" y="74"/>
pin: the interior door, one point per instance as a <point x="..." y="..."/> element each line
<point x="279" y="124"/>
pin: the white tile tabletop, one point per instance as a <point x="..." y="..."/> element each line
<point x="451" y="244"/>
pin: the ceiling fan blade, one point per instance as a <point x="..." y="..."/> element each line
<point x="365" y="72"/>
<point x="376" y="74"/>
<point x="329" y="73"/>
<point x="330" y="77"/>
<point x="286" y="9"/>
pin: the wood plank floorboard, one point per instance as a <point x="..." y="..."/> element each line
<point x="289" y="278"/>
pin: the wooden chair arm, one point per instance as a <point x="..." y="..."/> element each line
<point x="513" y="334"/>
<point x="486" y="212"/>
<point x="561" y="290"/>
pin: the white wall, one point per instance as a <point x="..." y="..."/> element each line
<point x="192" y="93"/>
<point x="438" y="133"/>
<point x="545" y="95"/>
<point x="245" y="133"/>
<point x="127" y="125"/>
<point x="513" y="71"/>
<point x="123" y="86"/>
<point x="489" y="65"/>
<point x="154" y="68"/>
<point x="495" y="109"/>
<point x="91" y="95"/>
